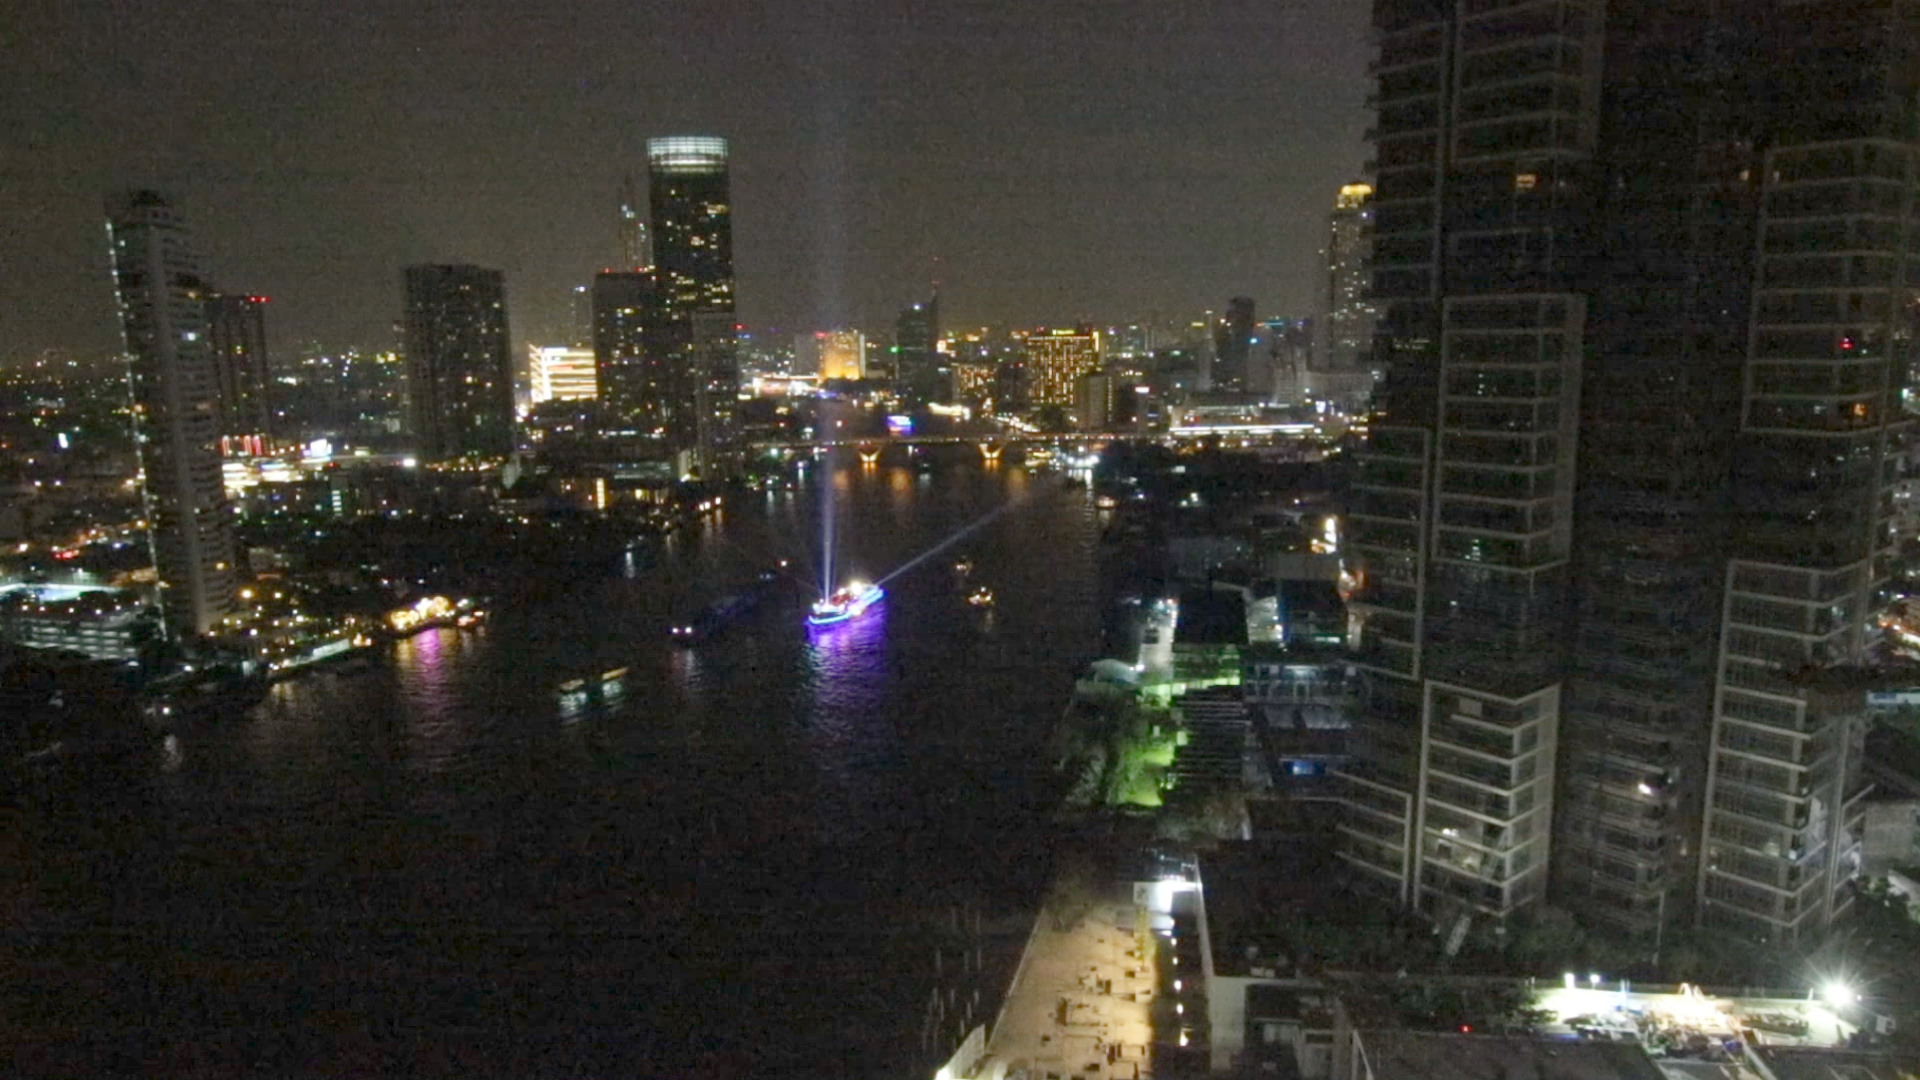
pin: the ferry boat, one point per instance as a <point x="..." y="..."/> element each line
<point x="845" y="604"/>
<point x="721" y="612"/>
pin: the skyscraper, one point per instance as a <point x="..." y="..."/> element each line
<point x="237" y="340"/>
<point x="1055" y="361"/>
<point x="693" y="257"/>
<point x="1343" y="357"/>
<point x="1823" y="419"/>
<point x="636" y="244"/>
<point x="459" y="364"/>
<point x="638" y="387"/>
<point x="1717" y="283"/>
<point x="1463" y="514"/>
<point x="176" y="396"/>
<point x="920" y="370"/>
<point x="1232" y="341"/>
<point x="1349" y="313"/>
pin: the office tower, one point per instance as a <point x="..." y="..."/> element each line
<point x="919" y="368"/>
<point x="1055" y="360"/>
<point x="459" y="366"/>
<point x="176" y="397"/>
<point x="831" y="354"/>
<point x="636" y="245"/>
<point x="237" y="340"/>
<point x="1232" y="341"/>
<point x="640" y="388"/>
<point x="1722" y="276"/>
<point x="559" y="373"/>
<point x="693" y="261"/>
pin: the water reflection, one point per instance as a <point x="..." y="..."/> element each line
<point x="446" y="812"/>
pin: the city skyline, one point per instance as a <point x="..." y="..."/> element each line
<point x="317" y="196"/>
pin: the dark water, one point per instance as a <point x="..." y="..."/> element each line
<point x="744" y="867"/>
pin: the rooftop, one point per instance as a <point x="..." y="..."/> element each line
<point x="1211" y="617"/>
<point x="1394" y="1055"/>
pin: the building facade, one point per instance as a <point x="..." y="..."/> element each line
<point x="635" y="240"/>
<point x="831" y="354"/>
<point x="459" y="365"/>
<point x="237" y="338"/>
<point x="558" y="373"/>
<point x="1349" y="314"/>
<point x="921" y="372"/>
<point x="1663" y="236"/>
<point x="634" y="374"/>
<point x="176" y="407"/>
<point x="689" y="195"/>
<point x="1463" y="516"/>
<point x="1054" y="362"/>
<point x="1232" y="344"/>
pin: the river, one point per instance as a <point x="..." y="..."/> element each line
<point x="746" y="865"/>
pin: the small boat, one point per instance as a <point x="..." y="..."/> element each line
<point x="845" y="604"/>
<point x="963" y="566"/>
<point x="981" y="597"/>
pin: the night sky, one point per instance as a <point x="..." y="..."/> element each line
<point x="1060" y="159"/>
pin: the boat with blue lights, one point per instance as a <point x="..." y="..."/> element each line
<point x="845" y="604"/>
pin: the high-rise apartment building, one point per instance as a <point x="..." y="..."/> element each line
<point x="1704" y="309"/>
<point x="237" y="340"/>
<point x="1232" y="344"/>
<point x="1055" y="361"/>
<point x="693" y="261"/>
<point x="459" y="364"/>
<point x="920" y="368"/>
<point x="636" y="242"/>
<point x="1823" y="421"/>
<point x="176" y="408"/>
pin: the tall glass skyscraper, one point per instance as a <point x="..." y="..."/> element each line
<point x="693" y="259"/>
<point x="459" y="364"/>
<point x="176" y="397"/>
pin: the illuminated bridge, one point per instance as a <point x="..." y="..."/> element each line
<point x="870" y="447"/>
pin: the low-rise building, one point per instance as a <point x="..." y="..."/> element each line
<point x="101" y="624"/>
